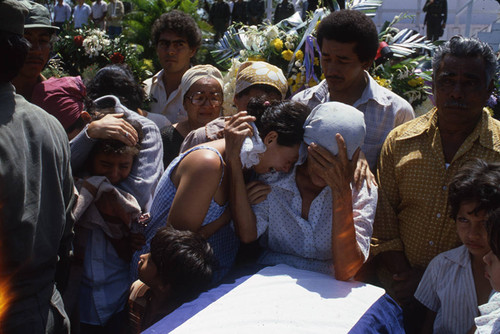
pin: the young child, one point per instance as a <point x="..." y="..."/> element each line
<point x="103" y="242"/>
<point x="178" y="267"/>
<point x="489" y="321"/>
<point x="453" y="284"/>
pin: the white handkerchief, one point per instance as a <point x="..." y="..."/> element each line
<point x="251" y="148"/>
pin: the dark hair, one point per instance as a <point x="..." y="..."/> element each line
<point x="119" y="81"/>
<point x="476" y="181"/>
<point x="113" y="146"/>
<point x="493" y="229"/>
<point x="285" y="117"/>
<point x="268" y="89"/>
<point x="180" y="24"/>
<point x="184" y="260"/>
<point x="462" y="47"/>
<point x="347" y="26"/>
<point x="14" y="48"/>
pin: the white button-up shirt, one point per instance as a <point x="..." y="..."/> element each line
<point x="81" y="15"/>
<point x="448" y="289"/>
<point x="169" y="106"/>
<point x="307" y="244"/>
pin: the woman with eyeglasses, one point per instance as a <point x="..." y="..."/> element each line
<point x="193" y="192"/>
<point x="201" y="89"/>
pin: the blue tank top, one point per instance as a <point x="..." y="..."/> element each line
<point x="223" y="242"/>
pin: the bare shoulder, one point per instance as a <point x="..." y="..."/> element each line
<point x="201" y="161"/>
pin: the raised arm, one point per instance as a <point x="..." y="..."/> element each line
<point x="337" y="172"/>
<point x="243" y="216"/>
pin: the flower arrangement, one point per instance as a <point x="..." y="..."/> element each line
<point x="283" y="45"/>
<point x="84" y="51"/>
<point x="289" y="44"/>
<point x="406" y="78"/>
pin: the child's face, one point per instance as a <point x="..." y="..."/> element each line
<point x="493" y="270"/>
<point x="148" y="273"/>
<point x="471" y="230"/>
<point x="116" y="167"/>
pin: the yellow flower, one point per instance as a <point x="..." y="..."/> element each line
<point x="299" y="55"/>
<point x="316" y="61"/>
<point x="299" y="78"/>
<point x="278" y="44"/>
<point x="413" y="82"/>
<point x="322" y="77"/>
<point x="287" y="55"/>
<point x="383" y="82"/>
<point x="256" y="58"/>
<point x="416" y="82"/>
<point x="290" y="81"/>
<point x="312" y="83"/>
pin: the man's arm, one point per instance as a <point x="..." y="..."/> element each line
<point x="385" y="228"/>
<point x="65" y="245"/>
<point x="386" y="241"/>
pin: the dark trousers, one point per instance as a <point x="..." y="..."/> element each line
<point x="434" y="27"/>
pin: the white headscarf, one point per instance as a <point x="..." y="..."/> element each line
<point x="198" y="72"/>
<point x="330" y="118"/>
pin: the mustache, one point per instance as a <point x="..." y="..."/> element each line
<point x="456" y="104"/>
<point x="334" y="77"/>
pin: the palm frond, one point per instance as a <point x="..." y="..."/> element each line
<point x="369" y="7"/>
<point x="228" y="46"/>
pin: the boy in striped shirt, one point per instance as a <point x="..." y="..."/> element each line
<point x="454" y="284"/>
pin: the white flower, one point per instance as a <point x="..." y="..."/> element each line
<point x="288" y="45"/>
<point x="272" y="33"/>
<point x="298" y="64"/>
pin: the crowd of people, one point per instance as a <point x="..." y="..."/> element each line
<point x="112" y="216"/>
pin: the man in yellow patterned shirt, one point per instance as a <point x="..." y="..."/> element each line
<point x="418" y="160"/>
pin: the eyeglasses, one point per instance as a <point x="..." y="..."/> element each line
<point x="199" y="99"/>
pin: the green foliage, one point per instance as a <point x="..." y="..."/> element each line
<point x="405" y="79"/>
<point x="84" y="51"/>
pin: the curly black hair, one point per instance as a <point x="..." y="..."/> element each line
<point x="477" y="181"/>
<point x="179" y="23"/>
<point x="285" y="117"/>
<point x="119" y="81"/>
<point x="348" y="26"/>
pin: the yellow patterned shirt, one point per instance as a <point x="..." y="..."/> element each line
<point x="413" y="215"/>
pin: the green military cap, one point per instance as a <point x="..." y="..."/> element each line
<point x="12" y="14"/>
<point x="38" y="17"/>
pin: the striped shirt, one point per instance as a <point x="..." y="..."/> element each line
<point x="383" y="111"/>
<point x="447" y="288"/>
